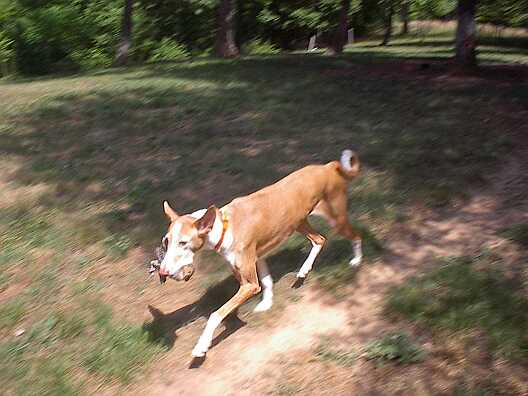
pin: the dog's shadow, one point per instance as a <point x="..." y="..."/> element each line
<point x="163" y="327"/>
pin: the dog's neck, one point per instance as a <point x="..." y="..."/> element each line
<point x="216" y="232"/>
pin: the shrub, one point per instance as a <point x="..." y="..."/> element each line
<point x="169" y="50"/>
<point x="260" y="47"/>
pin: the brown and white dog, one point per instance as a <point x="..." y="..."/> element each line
<point x="248" y="228"/>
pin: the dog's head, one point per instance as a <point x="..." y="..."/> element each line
<point x="185" y="236"/>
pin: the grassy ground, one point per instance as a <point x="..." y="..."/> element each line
<point x="87" y="160"/>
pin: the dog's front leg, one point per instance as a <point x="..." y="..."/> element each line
<point x="248" y="288"/>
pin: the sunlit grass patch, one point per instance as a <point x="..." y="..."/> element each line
<point x="457" y="296"/>
<point x="11" y="312"/>
<point x="120" y="351"/>
<point x="82" y="338"/>
<point x="326" y="351"/>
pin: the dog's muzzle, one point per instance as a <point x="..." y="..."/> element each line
<point x="184" y="274"/>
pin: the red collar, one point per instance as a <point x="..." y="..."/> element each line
<point x="225" y="224"/>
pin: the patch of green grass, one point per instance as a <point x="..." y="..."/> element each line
<point x="517" y="233"/>
<point x="394" y="347"/>
<point x="85" y="337"/>
<point x="456" y="296"/>
<point x="491" y="50"/>
<point x="117" y="245"/>
<point x="120" y="352"/>
<point x="11" y="312"/>
<point x="475" y="390"/>
<point x="325" y="351"/>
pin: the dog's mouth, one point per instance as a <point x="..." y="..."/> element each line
<point x="185" y="273"/>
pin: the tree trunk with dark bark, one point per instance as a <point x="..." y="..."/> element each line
<point x="123" y="48"/>
<point x="466" y="35"/>
<point x="405" y="17"/>
<point x="341" y="33"/>
<point x="388" y="23"/>
<point x="225" y="46"/>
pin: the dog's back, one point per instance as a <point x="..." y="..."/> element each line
<point x="270" y="215"/>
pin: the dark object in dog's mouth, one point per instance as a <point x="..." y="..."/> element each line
<point x="155" y="264"/>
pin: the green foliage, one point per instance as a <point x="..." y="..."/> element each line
<point x="395" y="347"/>
<point x="7" y="53"/>
<point x="169" y="50"/>
<point x="259" y="47"/>
<point x="61" y="36"/>
<point x="457" y="296"/>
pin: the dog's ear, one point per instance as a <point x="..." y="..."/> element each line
<point x="171" y="214"/>
<point x="204" y="225"/>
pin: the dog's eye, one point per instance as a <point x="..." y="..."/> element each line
<point x="165" y="242"/>
<point x="182" y="243"/>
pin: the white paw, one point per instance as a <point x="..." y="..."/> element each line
<point x="355" y="261"/>
<point x="199" y="351"/>
<point x="264" y="305"/>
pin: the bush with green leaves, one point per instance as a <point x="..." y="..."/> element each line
<point x="7" y="54"/>
<point x="260" y="47"/>
<point x="169" y="50"/>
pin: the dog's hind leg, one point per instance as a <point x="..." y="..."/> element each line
<point x="317" y="241"/>
<point x="266" y="281"/>
<point x="335" y="210"/>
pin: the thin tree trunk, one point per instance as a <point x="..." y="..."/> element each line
<point x="341" y="33"/>
<point x="123" y="48"/>
<point x="388" y="24"/>
<point x="405" y="17"/>
<point x="225" y="46"/>
<point x="466" y="35"/>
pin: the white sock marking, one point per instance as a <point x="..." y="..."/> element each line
<point x="267" y="294"/>
<point x="358" y="253"/>
<point x="205" y="340"/>
<point x="308" y="263"/>
<point x="266" y="281"/>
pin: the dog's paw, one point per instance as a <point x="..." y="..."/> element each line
<point x="298" y="282"/>
<point x="264" y="305"/>
<point x="199" y="351"/>
<point x="196" y="362"/>
<point x="355" y="261"/>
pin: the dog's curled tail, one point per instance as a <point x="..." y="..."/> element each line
<point x="349" y="164"/>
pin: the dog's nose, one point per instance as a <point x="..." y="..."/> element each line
<point x="163" y="272"/>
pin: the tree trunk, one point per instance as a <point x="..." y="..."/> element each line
<point x="123" y="48"/>
<point x="225" y="46"/>
<point x="466" y="34"/>
<point x="341" y="33"/>
<point x="405" y="17"/>
<point x="388" y="24"/>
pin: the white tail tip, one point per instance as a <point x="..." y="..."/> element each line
<point x="346" y="156"/>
